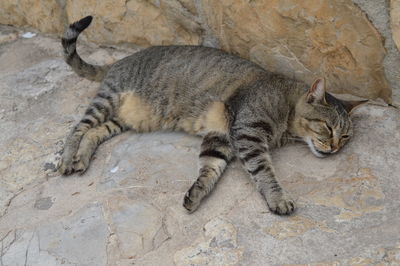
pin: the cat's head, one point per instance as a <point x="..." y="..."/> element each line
<point x="322" y="120"/>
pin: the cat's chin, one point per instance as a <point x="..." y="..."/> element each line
<point x="313" y="149"/>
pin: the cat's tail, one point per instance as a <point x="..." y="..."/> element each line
<point x="83" y="69"/>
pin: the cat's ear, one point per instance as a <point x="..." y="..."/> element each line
<point x="316" y="94"/>
<point x="349" y="106"/>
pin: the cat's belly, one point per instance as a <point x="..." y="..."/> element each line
<point x="136" y="113"/>
<point x="212" y="119"/>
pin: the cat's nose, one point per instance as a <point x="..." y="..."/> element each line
<point x="334" y="149"/>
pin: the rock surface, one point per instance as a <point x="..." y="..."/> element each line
<point x="127" y="208"/>
<point x="302" y="39"/>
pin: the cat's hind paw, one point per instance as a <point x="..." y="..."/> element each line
<point x="80" y="163"/>
<point x="281" y="204"/>
<point x="77" y="165"/>
<point x="65" y="167"/>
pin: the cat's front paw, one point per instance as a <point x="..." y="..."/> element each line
<point x="281" y="203"/>
<point x="194" y="196"/>
<point x="190" y="203"/>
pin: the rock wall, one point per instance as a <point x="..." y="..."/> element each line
<point x="302" y="39"/>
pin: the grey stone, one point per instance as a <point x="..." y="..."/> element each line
<point x="43" y="203"/>
<point x="76" y="240"/>
<point x="127" y="208"/>
<point x="37" y="80"/>
<point x="80" y="239"/>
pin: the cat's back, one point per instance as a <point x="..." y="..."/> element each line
<point x="189" y="69"/>
<point x="187" y="56"/>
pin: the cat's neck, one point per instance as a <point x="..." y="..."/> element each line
<point x="295" y="94"/>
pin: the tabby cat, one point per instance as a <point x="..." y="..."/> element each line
<point x="240" y="109"/>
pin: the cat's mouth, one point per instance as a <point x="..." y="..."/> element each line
<point x="314" y="150"/>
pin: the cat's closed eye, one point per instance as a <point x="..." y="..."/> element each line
<point x="321" y="128"/>
<point x="330" y="130"/>
<point x="344" y="138"/>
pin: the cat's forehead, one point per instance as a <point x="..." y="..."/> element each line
<point x="337" y="104"/>
<point x="333" y="114"/>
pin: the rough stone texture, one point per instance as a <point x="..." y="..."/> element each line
<point x="302" y="39"/>
<point x="140" y="22"/>
<point x="44" y="15"/>
<point x="305" y="40"/>
<point x="127" y="208"/>
<point x="395" y="21"/>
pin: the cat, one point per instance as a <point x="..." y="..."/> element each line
<point x="240" y="109"/>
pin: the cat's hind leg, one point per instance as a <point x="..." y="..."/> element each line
<point x="91" y="140"/>
<point x="99" y="111"/>
<point x="216" y="153"/>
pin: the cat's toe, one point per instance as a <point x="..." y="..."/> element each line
<point x="66" y="168"/>
<point x="282" y="204"/>
<point x="80" y="164"/>
<point x="189" y="204"/>
<point x="65" y="165"/>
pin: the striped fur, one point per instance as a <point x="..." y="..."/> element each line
<point x="216" y="153"/>
<point x="240" y="109"/>
<point x="83" y="69"/>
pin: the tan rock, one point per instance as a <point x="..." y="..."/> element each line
<point x="305" y="40"/>
<point x="140" y="22"/>
<point x="44" y="15"/>
<point x="295" y="226"/>
<point x="395" y="21"/>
